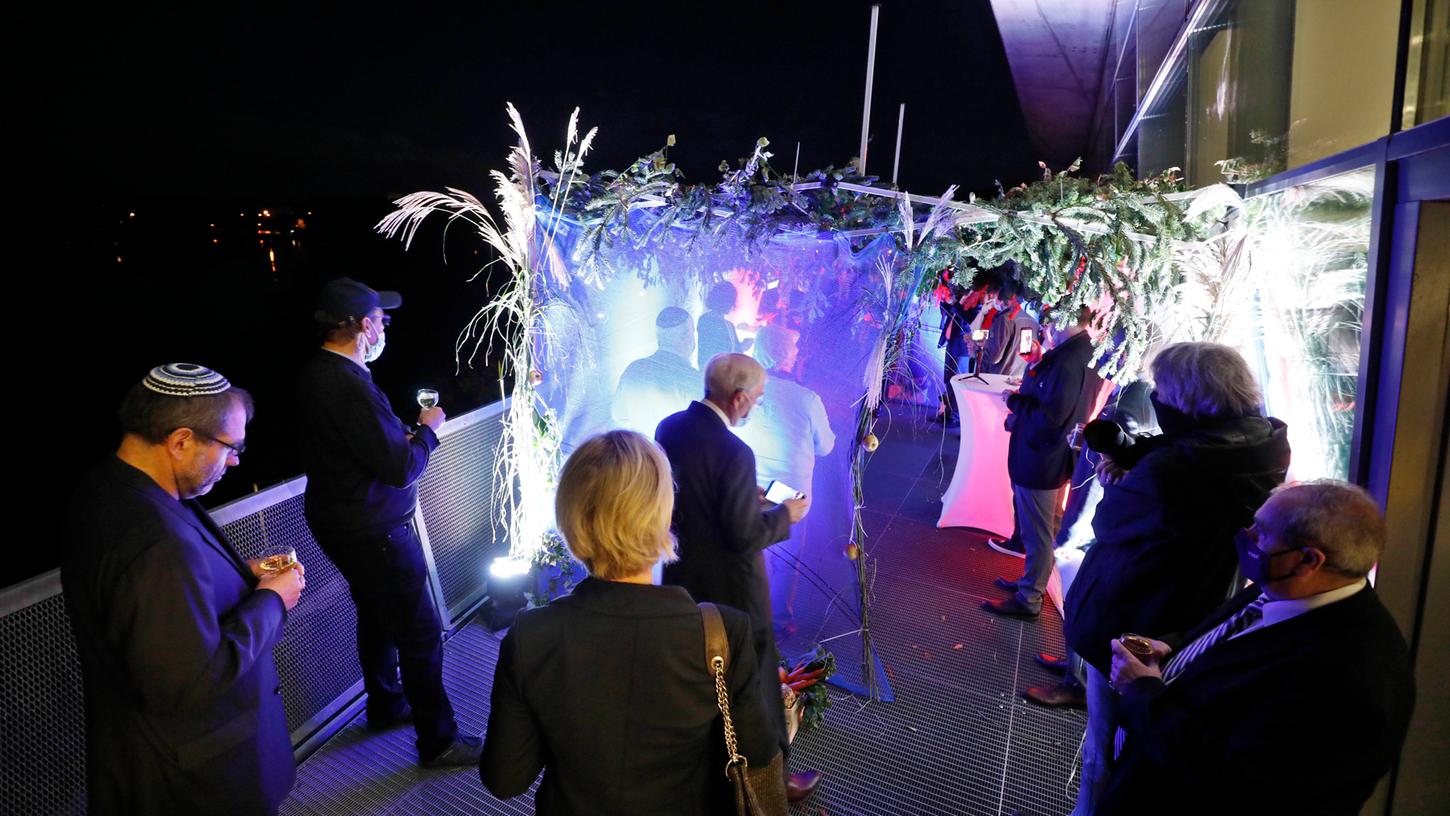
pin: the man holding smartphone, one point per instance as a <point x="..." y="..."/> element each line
<point x="1056" y="394"/>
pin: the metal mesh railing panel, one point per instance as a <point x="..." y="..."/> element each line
<point x="42" y="713"/>
<point x="456" y="497"/>
<point x="317" y="656"/>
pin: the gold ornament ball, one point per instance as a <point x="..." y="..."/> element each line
<point x="853" y="552"/>
<point x="870" y="443"/>
<point x="536" y="376"/>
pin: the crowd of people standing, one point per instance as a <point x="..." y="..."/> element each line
<point x="1195" y="686"/>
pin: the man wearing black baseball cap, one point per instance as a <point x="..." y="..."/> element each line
<point x="363" y="464"/>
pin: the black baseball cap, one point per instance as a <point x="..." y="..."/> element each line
<point x="346" y="298"/>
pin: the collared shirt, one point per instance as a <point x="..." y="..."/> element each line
<point x="719" y="413"/>
<point x="1280" y="611"/>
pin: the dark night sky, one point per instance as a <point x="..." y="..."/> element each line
<point x="191" y="114"/>
<point x="327" y="101"/>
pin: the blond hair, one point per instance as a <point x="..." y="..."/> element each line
<point x="614" y="502"/>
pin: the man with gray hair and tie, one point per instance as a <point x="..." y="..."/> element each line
<point x="720" y="519"/>
<point x="1294" y="697"/>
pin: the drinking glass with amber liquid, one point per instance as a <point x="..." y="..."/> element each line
<point x="278" y="559"/>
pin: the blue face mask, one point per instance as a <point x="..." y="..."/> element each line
<point x="1254" y="563"/>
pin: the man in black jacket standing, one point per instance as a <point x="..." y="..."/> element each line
<point x="363" y="465"/>
<point x="1056" y="394"/>
<point x="1306" y="667"/>
<point x="174" y="630"/>
<point x="1164" y="555"/>
<point x="719" y="518"/>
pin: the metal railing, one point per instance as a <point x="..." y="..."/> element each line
<point x="42" y="715"/>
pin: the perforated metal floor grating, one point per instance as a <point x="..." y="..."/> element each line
<point x="957" y="741"/>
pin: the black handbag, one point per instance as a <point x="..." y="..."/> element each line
<point x="758" y="791"/>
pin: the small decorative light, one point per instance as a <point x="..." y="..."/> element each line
<point x="506" y="567"/>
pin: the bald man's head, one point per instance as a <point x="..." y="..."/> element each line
<point x="734" y="383"/>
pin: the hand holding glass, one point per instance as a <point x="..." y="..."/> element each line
<point x="277" y="559"/>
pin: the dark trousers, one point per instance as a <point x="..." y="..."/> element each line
<point x="1038" y="514"/>
<point x="398" y="630"/>
<point x="949" y="370"/>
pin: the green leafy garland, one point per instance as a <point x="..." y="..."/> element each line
<point x="1108" y="243"/>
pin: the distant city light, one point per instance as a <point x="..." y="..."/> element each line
<point x="133" y="215"/>
<point x="266" y="213"/>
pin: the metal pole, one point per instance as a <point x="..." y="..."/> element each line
<point x="795" y="173"/>
<point x="870" y="73"/>
<point x="900" y="123"/>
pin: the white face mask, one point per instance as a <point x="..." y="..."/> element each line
<point x="741" y="421"/>
<point x="372" y="351"/>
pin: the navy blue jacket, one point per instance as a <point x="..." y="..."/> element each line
<point x="183" y="705"/>
<point x="1328" y="693"/>
<point x="362" y="467"/>
<point x="1056" y="394"/>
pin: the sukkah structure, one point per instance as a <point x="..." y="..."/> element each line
<point x="591" y="259"/>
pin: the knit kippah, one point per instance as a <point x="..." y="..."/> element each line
<point x="185" y="380"/>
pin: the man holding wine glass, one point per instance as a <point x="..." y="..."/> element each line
<point x="363" y="464"/>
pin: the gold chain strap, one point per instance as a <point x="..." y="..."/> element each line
<point x="722" y="699"/>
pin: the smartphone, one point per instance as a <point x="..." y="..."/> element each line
<point x="979" y="335"/>
<point x="780" y="491"/>
<point x="1024" y="341"/>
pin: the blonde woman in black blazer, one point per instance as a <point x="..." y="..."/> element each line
<point x="605" y="689"/>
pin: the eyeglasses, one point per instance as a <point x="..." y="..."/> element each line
<point x="239" y="448"/>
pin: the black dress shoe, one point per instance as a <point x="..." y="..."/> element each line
<point x="1061" y="695"/>
<point x="465" y="750"/>
<point x="1003" y="583"/>
<point x="1052" y="663"/>
<point x="1011" y="608"/>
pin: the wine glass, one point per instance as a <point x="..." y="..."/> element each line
<point x="427" y="398"/>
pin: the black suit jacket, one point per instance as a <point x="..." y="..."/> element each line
<point x="1301" y="717"/>
<point x="606" y="690"/>
<point x="1056" y="394"/>
<point x="183" y="705"/>
<point x="721" y="529"/>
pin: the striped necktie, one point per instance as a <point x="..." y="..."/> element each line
<point x="1241" y="620"/>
